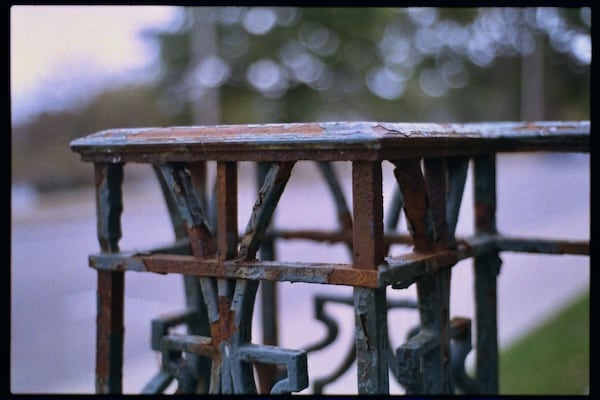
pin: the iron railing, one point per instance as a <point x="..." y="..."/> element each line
<point x="222" y="267"/>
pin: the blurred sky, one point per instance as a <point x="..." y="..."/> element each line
<point x="62" y="52"/>
<point x="61" y="55"/>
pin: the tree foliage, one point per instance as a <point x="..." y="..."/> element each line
<point x="284" y="64"/>
<point x="273" y="64"/>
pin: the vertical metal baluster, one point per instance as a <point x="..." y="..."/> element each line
<point x="435" y="172"/>
<point x="457" y="176"/>
<point x="487" y="268"/>
<point x="369" y="304"/>
<point x="268" y="290"/>
<point x="461" y="327"/>
<point x="111" y="284"/>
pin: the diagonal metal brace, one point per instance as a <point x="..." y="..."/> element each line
<point x="268" y="197"/>
<point x="180" y="185"/>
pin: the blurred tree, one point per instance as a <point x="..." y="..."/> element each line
<point x="40" y="148"/>
<point x="285" y="64"/>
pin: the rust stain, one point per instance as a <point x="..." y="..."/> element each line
<point x="204" y="347"/>
<point x="483" y="216"/>
<point x="574" y="248"/>
<point x="224" y="327"/>
<point x="534" y="126"/>
<point x="363" y="326"/>
<point x="201" y="241"/>
<point x="418" y="130"/>
<point x="228" y="130"/>
<point x="353" y="277"/>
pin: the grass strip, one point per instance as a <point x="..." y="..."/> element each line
<point x="553" y="359"/>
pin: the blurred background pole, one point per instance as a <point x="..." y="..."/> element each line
<point x="532" y="84"/>
<point x="203" y="42"/>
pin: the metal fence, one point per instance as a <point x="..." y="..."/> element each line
<point x="222" y="267"/>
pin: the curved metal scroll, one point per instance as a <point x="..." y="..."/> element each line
<point x="461" y="347"/>
<point x="332" y="333"/>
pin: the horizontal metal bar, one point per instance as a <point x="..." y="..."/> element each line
<point x="335" y="274"/>
<point x="544" y="246"/>
<point x="400" y="271"/>
<point x="195" y="344"/>
<point x="340" y="141"/>
<point x="331" y="236"/>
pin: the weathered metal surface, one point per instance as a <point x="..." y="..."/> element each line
<point x="229" y="303"/>
<point x="370" y="310"/>
<point x="412" y="371"/>
<point x="486" y="269"/>
<point x="227" y="221"/>
<point x="402" y="270"/>
<point x="233" y="354"/>
<point x="412" y="185"/>
<point x="197" y="321"/>
<point x="111" y="284"/>
<point x="425" y="206"/>
<point x="368" y="215"/>
<point x="192" y="212"/>
<point x="295" y="362"/>
<point x="457" y="176"/>
<point x="110" y="332"/>
<point x="341" y="141"/>
<point x="431" y="163"/>
<point x="267" y="373"/>
<point x="349" y="358"/>
<point x="109" y="205"/>
<point x="371" y="340"/>
<point x="461" y="347"/>
<point x="163" y="324"/>
<point x="433" y="292"/>
<point x="542" y="246"/>
<point x="158" y="383"/>
<point x="339" y="274"/>
<point x="435" y="174"/>
<point x="263" y="209"/>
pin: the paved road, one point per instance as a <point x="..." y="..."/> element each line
<point x="53" y="290"/>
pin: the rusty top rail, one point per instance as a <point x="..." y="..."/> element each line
<point x="330" y="141"/>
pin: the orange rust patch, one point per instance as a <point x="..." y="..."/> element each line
<point x="534" y="126"/>
<point x="205" y="347"/>
<point x="229" y="130"/>
<point x="353" y="277"/>
<point x="224" y="327"/>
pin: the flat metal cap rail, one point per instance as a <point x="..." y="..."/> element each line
<point x="330" y="141"/>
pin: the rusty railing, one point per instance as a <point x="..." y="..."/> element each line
<point x="222" y="267"/>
